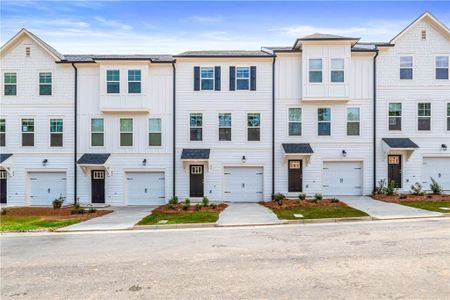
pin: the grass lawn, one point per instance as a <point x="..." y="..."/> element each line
<point x="428" y="205"/>
<point x="180" y="218"/>
<point x="14" y="223"/>
<point x="318" y="212"/>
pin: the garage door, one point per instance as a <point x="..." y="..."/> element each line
<point x="145" y="188"/>
<point x="437" y="168"/>
<point x="243" y="184"/>
<point x="342" y="178"/>
<point x="46" y="187"/>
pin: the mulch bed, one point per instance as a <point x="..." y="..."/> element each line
<point x="50" y="213"/>
<point x="294" y="203"/>
<point x="412" y="198"/>
<point x="165" y="209"/>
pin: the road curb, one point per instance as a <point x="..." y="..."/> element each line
<point x="174" y="226"/>
<point x="330" y="220"/>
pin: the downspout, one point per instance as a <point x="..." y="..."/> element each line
<point x="75" y="84"/>
<point x="375" y="121"/>
<point x="273" y="126"/>
<point x="173" y="130"/>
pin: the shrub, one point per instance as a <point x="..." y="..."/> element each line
<point x="334" y="200"/>
<point x="198" y="206"/>
<point x="390" y="188"/>
<point x="435" y="187"/>
<point x="318" y="196"/>
<point x="205" y="201"/>
<point x="173" y="201"/>
<point x="279" y="198"/>
<point x="416" y="189"/>
<point x="187" y="201"/>
<point x="4" y="211"/>
<point x="57" y="203"/>
<point x="213" y="205"/>
<point x="302" y="196"/>
<point x="381" y="187"/>
<point x="185" y="206"/>
<point x="77" y="210"/>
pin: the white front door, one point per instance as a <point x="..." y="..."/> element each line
<point x="437" y="168"/>
<point x="46" y="187"/>
<point x="145" y="188"/>
<point x="243" y="184"/>
<point x="342" y="178"/>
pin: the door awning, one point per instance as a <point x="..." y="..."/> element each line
<point x="88" y="160"/>
<point x="195" y="154"/>
<point x="4" y="157"/>
<point x="399" y="144"/>
<point x="298" y="150"/>
<point x="4" y="163"/>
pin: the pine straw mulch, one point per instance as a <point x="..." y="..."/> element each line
<point x="294" y="203"/>
<point x="49" y="213"/>
<point x="165" y="209"/>
<point x="411" y="198"/>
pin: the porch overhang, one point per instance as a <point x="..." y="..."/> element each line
<point x="95" y="160"/>
<point x="406" y="145"/>
<point x="6" y="162"/>
<point x="298" y="151"/>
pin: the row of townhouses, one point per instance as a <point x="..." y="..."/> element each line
<point x="328" y="115"/>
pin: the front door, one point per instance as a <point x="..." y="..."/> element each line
<point x="3" y="187"/>
<point x="98" y="186"/>
<point x="395" y="169"/>
<point x="295" y="176"/>
<point x="196" y="181"/>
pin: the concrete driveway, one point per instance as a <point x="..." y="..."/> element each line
<point x="383" y="210"/>
<point x="247" y="214"/>
<point x="121" y="218"/>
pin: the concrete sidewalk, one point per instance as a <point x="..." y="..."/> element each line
<point x="384" y="210"/>
<point x="241" y="214"/>
<point x="120" y="218"/>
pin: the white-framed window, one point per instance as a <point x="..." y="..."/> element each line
<point x="406" y="67"/>
<point x="126" y="132"/>
<point x="395" y="116"/>
<point x="224" y="126"/>
<point x="98" y="174"/>
<point x="56" y="132"/>
<point x="10" y="84"/>
<point x="253" y="126"/>
<point x="424" y="116"/>
<point x="27" y="132"/>
<point x="154" y="132"/>
<point x="324" y="121"/>
<point x="112" y="81"/>
<point x="315" y="70"/>
<point x="207" y="78"/>
<point x="337" y="70"/>
<point x="2" y="132"/>
<point x="196" y="126"/>
<point x="242" y="78"/>
<point x="134" y="81"/>
<point x="448" y="116"/>
<point x="97" y="132"/>
<point x="442" y="67"/>
<point x="353" y="120"/>
<point x="45" y="83"/>
<point x="295" y="121"/>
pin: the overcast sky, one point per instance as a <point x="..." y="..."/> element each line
<point x="127" y="27"/>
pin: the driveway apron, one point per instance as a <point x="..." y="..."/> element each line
<point x="238" y="214"/>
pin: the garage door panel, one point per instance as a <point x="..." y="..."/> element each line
<point x="145" y="188"/>
<point x="437" y="168"/>
<point x="243" y="184"/>
<point x="46" y="187"/>
<point x="342" y="178"/>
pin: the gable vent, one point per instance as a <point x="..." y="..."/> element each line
<point x="27" y="51"/>
<point x="424" y="35"/>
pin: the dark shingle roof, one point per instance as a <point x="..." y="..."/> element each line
<point x="224" y="53"/>
<point x="155" y="58"/>
<point x="4" y="156"/>
<point x="325" y="36"/>
<point x="400" y="143"/>
<point x="93" y="158"/>
<point x="297" y="148"/>
<point x="195" y="154"/>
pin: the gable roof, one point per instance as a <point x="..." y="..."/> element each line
<point x="225" y="53"/>
<point x="92" y="58"/>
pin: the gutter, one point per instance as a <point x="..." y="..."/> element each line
<point x="174" y="130"/>
<point x="273" y="126"/>
<point x="75" y="99"/>
<point x="375" y="121"/>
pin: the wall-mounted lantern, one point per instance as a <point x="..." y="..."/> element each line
<point x="344" y="153"/>
<point x="44" y="162"/>
<point x="144" y="162"/>
<point x="244" y="159"/>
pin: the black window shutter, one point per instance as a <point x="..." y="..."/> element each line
<point x="253" y="78"/>
<point x="196" y="78"/>
<point x="232" y="78"/>
<point x="217" y="78"/>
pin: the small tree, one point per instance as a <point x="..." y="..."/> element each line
<point x="435" y="187"/>
<point x="205" y="201"/>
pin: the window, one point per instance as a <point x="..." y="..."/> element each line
<point x="295" y="121"/>
<point x="424" y="116"/>
<point x="395" y="116"/>
<point x="10" y="84"/>
<point x="324" y="121"/>
<point x="97" y="133"/>
<point x="134" y="81"/>
<point x="253" y="127"/>
<point x="406" y="67"/>
<point x="196" y="123"/>
<point x="2" y="133"/>
<point x="242" y="78"/>
<point x="353" y="120"/>
<point x="112" y="81"/>
<point x="337" y="70"/>
<point x="126" y="132"/>
<point x="154" y="132"/>
<point x="27" y="132"/>
<point x="56" y="132"/>
<point x="45" y="84"/>
<point x="448" y="116"/>
<point x="315" y="70"/>
<point x="441" y="67"/>
<point x="207" y="78"/>
<point x="225" y="127"/>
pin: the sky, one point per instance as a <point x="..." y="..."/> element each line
<point x="171" y="27"/>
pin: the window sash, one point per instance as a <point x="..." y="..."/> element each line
<point x="196" y="120"/>
<point x="2" y="132"/>
<point x="253" y="127"/>
<point x="406" y="67"/>
<point x="45" y="84"/>
<point x="207" y="78"/>
<point x="10" y="84"/>
<point x="225" y="127"/>
<point x="126" y="132"/>
<point x="441" y="67"/>
<point x="353" y="121"/>
<point x="448" y="116"/>
<point x="242" y="78"/>
<point x="324" y="121"/>
<point x="315" y="70"/>
<point x="27" y="125"/>
<point x="196" y="127"/>
<point x="134" y="81"/>
<point x="56" y="125"/>
<point x="154" y="132"/>
<point x="295" y="121"/>
<point x="97" y="125"/>
<point x="337" y="70"/>
<point x="112" y="81"/>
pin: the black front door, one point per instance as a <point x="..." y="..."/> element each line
<point x="196" y="181"/>
<point x="295" y="176"/>
<point x="3" y="187"/>
<point x="98" y="186"/>
<point x="395" y="169"/>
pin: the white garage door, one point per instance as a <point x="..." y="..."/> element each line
<point x="46" y="187"/>
<point x="243" y="184"/>
<point x="437" y="168"/>
<point x="342" y="178"/>
<point x="145" y="188"/>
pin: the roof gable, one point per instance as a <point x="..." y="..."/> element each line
<point x="424" y="17"/>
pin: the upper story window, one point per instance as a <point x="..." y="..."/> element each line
<point x="224" y="127"/>
<point x="315" y="70"/>
<point x="10" y="84"/>
<point x="448" y="116"/>
<point x="134" y="81"/>
<point x="395" y="116"/>
<point x="424" y="116"/>
<point x="337" y="70"/>
<point x="242" y="78"/>
<point x="113" y="81"/>
<point x="295" y="121"/>
<point x="45" y="84"/>
<point x="97" y="132"/>
<point x="324" y="121"/>
<point x="126" y="132"/>
<point x="207" y="78"/>
<point x="441" y="67"/>
<point x="406" y="67"/>
<point x="2" y="132"/>
<point x="154" y="132"/>
<point x="196" y="126"/>
<point x="27" y="132"/>
<point x="353" y="121"/>
<point x="253" y="127"/>
<point x="56" y="132"/>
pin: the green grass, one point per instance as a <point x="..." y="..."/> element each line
<point x="180" y="218"/>
<point x="318" y="213"/>
<point x="11" y="223"/>
<point x="428" y="205"/>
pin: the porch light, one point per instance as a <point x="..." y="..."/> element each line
<point x="244" y="159"/>
<point x="444" y="147"/>
<point x="144" y="162"/>
<point x="44" y="162"/>
<point x="344" y="153"/>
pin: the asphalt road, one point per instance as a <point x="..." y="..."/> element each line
<point x="408" y="259"/>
